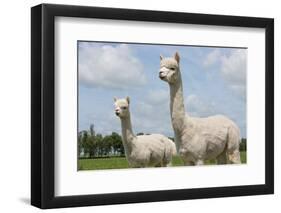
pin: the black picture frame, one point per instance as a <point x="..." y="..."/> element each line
<point x="43" y="105"/>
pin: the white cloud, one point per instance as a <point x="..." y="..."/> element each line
<point x="233" y="69"/>
<point x="109" y="66"/>
<point x="158" y="122"/>
<point x="212" y="58"/>
<point x="149" y="114"/>
<point x="199" y="108"/>
<point x="152" y="114"/>
<point x="157" y="97"/>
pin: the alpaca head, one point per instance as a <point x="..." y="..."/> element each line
<point x="169" y="69"/>
<point x="122" y="107"/>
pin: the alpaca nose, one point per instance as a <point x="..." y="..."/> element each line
<point x="117" y="112"/>
<point x="161" y="74"/>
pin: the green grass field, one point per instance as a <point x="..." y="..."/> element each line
<point x="121" y="162"/>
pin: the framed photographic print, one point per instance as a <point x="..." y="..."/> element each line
<point x="140" y="106"/>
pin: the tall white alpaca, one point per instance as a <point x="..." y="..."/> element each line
<point x="145" y="150"/>
<point x="198" y="139"/>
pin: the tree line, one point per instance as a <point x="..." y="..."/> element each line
<point x="94" y="145"/>
<point x="243" y="144"/>
<point x="91" y="145"/>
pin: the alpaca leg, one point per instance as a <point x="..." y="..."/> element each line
<point x="169" y="164"/>
<point x="158" y="165"/>
<point x="199" y="163"/>
<point x="164" y="163"/>
<point x="234" y="157"/>
<point x="188" y="163"/>
<point x="135" y="167"/>
<point x="222" y="159"/>
<point x="167" y="161"/>
<point x="185" y="158"/>
<point x="232" y="149"/>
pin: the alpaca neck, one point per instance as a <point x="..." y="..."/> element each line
<point x="127" y="134"/>
<point x="177" y="106"/>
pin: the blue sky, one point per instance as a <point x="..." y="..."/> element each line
<point x="214" y="81"/>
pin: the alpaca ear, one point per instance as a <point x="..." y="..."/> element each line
<point x="161" y="57"/>
<point x="177" y="57"/>
<point x="115" y="99"/>
<point x="128" y="99"/>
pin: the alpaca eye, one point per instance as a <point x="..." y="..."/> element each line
<point x="172" y="68"/>
<point x="124" y="107"/>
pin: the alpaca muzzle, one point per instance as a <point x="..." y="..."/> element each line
<point x="161" y="75"/>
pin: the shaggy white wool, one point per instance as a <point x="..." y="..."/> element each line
<point x="198" y="139"/>
<point x="145" y="150"/>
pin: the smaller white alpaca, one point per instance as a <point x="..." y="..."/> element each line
<point x="153" y="150"/>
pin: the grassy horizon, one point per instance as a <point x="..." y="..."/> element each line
<point x="121" y="162"/>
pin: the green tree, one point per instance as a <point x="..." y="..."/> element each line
<point x="91" y="141"/>
<point x="117" y="144"/>
<point x="99" y="145"/>
<point x="243" y="145"/>
<point x="107" y="145"/>
<point x="84" y="143"/>
<point x="80" y="144"/>
<point x="95" y="145"/>
<point x="87" y="141"/>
